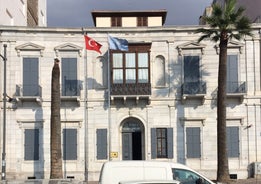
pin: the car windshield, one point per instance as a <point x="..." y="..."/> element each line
<point x="187" y="177"/>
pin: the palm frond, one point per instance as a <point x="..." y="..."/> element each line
<point x="226" y="19"/>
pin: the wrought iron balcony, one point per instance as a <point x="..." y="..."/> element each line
<point x="236" y="87"/>
<point x="71" y="88"/>
<point x="140" y="89"/>
<point x="28" y="90"/>
<point x="194" y="88"/>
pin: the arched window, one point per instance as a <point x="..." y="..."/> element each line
<point x="159" y="71"/>
<point x="101" y="73"/>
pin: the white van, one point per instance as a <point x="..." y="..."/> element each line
<point x="114" y="172"/>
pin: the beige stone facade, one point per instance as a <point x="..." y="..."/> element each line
<point x="105" y="130"/>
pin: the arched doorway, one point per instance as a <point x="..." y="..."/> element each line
<point x="132" y="139"/>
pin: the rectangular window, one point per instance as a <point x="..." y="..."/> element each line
<point x="143" y="68"/>
<point x="31" y="144"/>
<point x="232" y="68"/>
<point x="117" y="59"/>
<point x="162" y="143"/>
<point x="69" y="144"/>
<point x="116" y="22"/>
<point x="69" y="77"/>
<point x="191" y="69"/>
<point x="30" y="77"/>
<point x="193" y="142"/>
<point x="232" y="73"/>
<point x="101" y="144"/>
<point x="233" y="141"/>
<point x="142" y="21"/>
<point x="192" y="83"/>
<point x="130" y="68"/>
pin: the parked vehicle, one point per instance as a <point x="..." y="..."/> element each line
<point x="151" y="182"/>
<point x="115" y="172"/>
<point x="187" y="175"/>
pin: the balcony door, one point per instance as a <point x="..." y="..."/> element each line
<point x="232" y="74"/>
<point x="191" y="75"/>
<point x="191" y="69"/>
<point x="30" y="77"/>
<point x="69" y="77"/>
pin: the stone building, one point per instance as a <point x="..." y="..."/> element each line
<point x="156" y="101"/>
<point x="23" y="13"/>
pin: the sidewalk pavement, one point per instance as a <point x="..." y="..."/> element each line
<point x="248" y="181"/>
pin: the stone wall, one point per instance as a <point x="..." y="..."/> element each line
<point x="32" y="13"/>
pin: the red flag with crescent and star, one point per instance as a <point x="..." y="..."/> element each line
<point x="91" y="44"/>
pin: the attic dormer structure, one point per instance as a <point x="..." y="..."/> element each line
<point x="150" y="18"/>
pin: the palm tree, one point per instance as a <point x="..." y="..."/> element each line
<point x="226" y="23"/>
<point x="56" y="153"/>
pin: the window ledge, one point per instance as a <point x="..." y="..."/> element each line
<point x="71" y="99"/>
<point x="201" y="97"/>
<point x="240" y="96"/>
<point x="36" y="99"/>
<point x="160" y="87"/>
<point x="125" y="97"/>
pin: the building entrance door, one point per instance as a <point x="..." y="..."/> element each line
<point x="132" y="140"/>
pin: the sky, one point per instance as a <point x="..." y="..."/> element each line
<point x="77" y="13"/>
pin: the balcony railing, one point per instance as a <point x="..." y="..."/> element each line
<point x="28" y="91"/>
<point x="236" y="87"/>
<point x="194" y="88"/>
<point x="71" y="88"/>
<point x="131" y="89"/>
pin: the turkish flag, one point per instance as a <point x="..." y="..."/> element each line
<point x="91" y="44"/>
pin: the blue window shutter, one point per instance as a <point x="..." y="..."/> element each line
<point x="232" y="68"/>
<point x="170" y="142"/>
<point x="101" y="146"/>
<point x="193" y="142"/>
<point x="69" y="77"/>
<point x="232" y="73"/>
<point x="30" y="77"/>
<point x="233" y="141"/>
<point x="153" y="143"/>
<point x="70" y="144"/>
<point x="31" y="144"/>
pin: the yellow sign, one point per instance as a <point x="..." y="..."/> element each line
<point x="114" y="154"/>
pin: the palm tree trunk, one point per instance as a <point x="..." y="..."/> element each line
<point x="56" y="153"/>
<point x="223" y="169"/>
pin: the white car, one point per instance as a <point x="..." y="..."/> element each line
<point x="187" y="175"/>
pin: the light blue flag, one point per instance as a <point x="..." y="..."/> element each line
<point x="118" y="44"/>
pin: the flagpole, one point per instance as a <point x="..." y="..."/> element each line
<point x="114" y="44"/>
<point x="109" y="101"/>
<point x="86" y="113"/>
